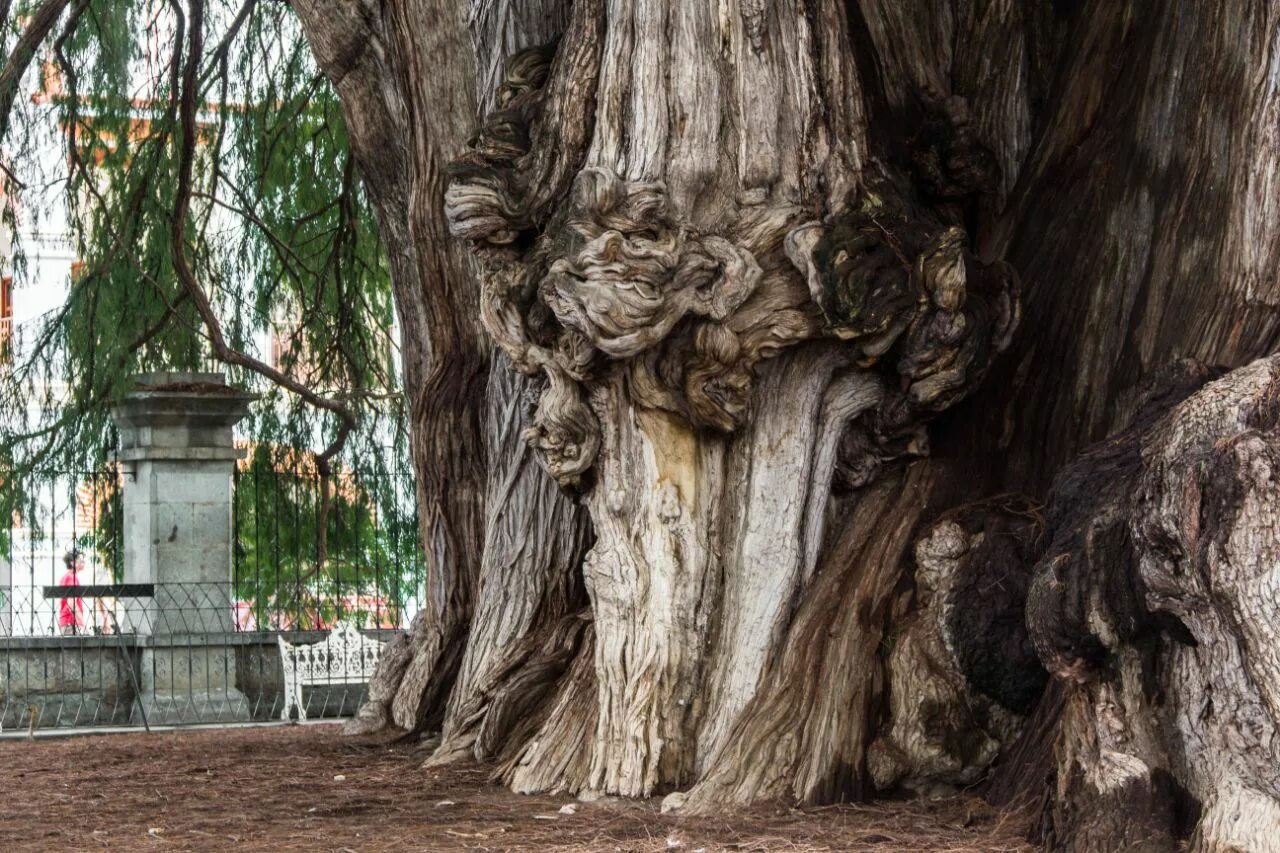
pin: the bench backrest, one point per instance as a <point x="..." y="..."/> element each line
<point x="344" y="657"/>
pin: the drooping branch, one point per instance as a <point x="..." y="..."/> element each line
<point x="188" y="101"/>
<point x="40" y="24"/>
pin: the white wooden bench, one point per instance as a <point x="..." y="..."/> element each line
<point x="344" y="657"/>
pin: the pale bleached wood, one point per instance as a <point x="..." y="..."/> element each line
<point x="651" y="255"/>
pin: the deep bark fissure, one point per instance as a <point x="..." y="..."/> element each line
<point x="740" y="254"/>
<point x="687" y="319"/>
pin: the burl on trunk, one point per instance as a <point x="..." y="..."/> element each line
<point x="720" y="340"/>
<point x="733" y="256"/>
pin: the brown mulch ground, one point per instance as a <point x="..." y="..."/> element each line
<point x="278" y="789"/>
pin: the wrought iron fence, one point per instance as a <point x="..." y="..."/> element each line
<point x="310" y="554"/>
<point x="56" y="512"/>
<point x="165" y="655"/>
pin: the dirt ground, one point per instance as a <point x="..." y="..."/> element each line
<point x="308" y="788"/>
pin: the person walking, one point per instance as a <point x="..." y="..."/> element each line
<point x="72" y="616"/>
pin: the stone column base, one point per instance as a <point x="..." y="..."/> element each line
<point x="193" y="683"/>
<point x="174" y="709"/>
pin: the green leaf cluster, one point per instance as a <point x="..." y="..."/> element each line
<point x="281" y="235"/>
<point x="365" y="567"/>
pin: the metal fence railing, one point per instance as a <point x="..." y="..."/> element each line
<point x="164" y="654"/>
<point x="310" y="554"/>
<point x="56" y="512"/>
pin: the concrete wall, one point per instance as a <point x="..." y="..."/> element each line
<point x="82" y="681"/>
<point x="74" y="681"/>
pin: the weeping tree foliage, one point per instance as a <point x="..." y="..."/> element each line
<point x="810" y="400"/>
<point x="118" y="122"/>
<point x="363" y="565"/>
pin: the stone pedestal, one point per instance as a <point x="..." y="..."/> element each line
<point x="178" y="457"/>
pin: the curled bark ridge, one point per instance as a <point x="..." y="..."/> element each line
<point x="1154" y="608"/>
<point x="903" y="289"/>
<point x="617" y="281"/>
<point x="716" y="345"/>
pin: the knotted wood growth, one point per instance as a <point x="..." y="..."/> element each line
<point x="962" y="672"/>
<point x="717" y="344"/>
<point x="615" y="280"/>
<point x="1153" y="606"/>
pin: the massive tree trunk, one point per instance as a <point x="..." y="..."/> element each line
<point x="721" y="339"/>
<point x="1154" y="606"/>
<point x="739" y="256"/>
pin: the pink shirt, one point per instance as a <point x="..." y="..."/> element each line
<point x="71" y="612"/>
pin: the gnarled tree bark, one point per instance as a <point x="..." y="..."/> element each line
<point x="1153" y="605"/>
<point x="715" y="337"/>
<point x="740" y="255"/>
